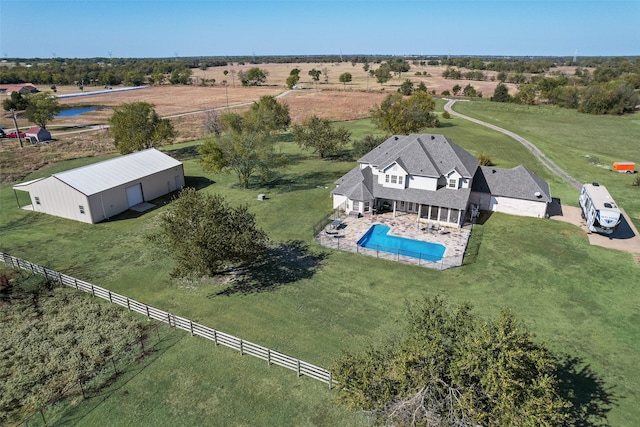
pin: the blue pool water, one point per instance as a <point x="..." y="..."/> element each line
<point x="377" y="238"/>
<point x="72" y="112"/>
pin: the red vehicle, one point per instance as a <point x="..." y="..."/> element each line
<point x="14" y="134"/>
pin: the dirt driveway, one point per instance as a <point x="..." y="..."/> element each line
<point x="626" y="238"/>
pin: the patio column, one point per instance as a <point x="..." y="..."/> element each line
<point x="419" y="211"/>
<point x="394" y="208"/>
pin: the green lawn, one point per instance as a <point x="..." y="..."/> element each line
<point x="581" y="300"/>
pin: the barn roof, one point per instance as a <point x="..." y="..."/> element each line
<point x="98" y="177"/>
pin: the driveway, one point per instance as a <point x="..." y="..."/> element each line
<point x="625" y="238"/>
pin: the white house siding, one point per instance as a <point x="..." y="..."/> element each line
<point x="338" y="200"/>
<point x="423" y="183"/>
<point x="518" y="207"/>
<point x="57" y="198"/>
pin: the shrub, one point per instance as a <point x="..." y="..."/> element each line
<point x="485" y="159"/>
<point x="446" y="115"/>
<point x="636" y="181"/>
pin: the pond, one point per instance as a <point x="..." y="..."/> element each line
<point x="72" y="112"/>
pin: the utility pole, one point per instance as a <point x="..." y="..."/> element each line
<point x="15" y="123"/>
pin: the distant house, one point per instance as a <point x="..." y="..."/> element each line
<point x="102" y="190"/>
<point x="432" y="177"/>
<point x="37" y="134"/>
<point x="23" y="88"/>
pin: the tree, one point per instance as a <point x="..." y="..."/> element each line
<point x="608" y="98"/>
<point x="451" y="368"/>
<point x="399" y="66"/>
<point x="204" y="234"/>
<point x="42" y="108"/>
<point x="345" y="78"/>
<point x="402" y="116"/>
<point x="422" y="87"/>
<point x="456" y="88"/>
<point x="267" y="115"/>
<point x="469" y="91"/>
<point x="136" y="126"/>
<point x="406" y="88"/>
<point x="253" y="77"/>
<point x="294" y="78"/>
<point x="320" y="136"/>
<point x="245" y="151"/>
<point x="315" y="76"/>
<point x="366" y="144"/>
<point x="501" y="93"/>
<point x="383" y="73"/>
<point x="16" y="102"/>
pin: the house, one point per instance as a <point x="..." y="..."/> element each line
<point x="37" y="134"/>
<point x="102" y="190"/>
<point x="515" y="191"/>
<point x="432" y="177"/>
<point x="23" y="88"/>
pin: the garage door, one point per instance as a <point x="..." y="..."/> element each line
<point x="134" y="195"/>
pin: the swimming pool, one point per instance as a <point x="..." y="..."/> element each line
<point x="377" y="238"/>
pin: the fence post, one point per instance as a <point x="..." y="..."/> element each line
<point x="268" y="357"/>
<point x="75" y="281"/>
<point x="330" y="380"/>
<point x="169" y="319"/>
<point x="60" y="279"/>
<point x="128" y="306"/>
<point x="93" y="293"/>
<point x="215" y="337"/>
<point x="241" y="352"/>
<point x="191" y="327"/>
<point x="298" y="366"/>
<point x="110" y="297"/>
<point x="147" y="308"/>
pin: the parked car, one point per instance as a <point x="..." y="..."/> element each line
<point x="14" y="134"/>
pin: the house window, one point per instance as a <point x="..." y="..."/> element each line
<point x="400" y="180"/>
<point x="386" y="178"/>
<point x="356" y="206"/>
<point x="453" y="183"/>
<point x="367" y="206"/>
<point x="37" y="200"/>
<point x="394" y="179"/>
<point x="81" y="209"/>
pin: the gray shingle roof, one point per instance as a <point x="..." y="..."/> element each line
<point x="360" y="184"/>
<point x="422" y="155"/>
<point x="516" y="183"/>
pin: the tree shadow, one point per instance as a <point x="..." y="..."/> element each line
<point x="197" y="182"/>
<point x="184" y="153"/>
<point x="306" y="181"/>
<point x="286" y="263"/>
<point x="591" y="399"/>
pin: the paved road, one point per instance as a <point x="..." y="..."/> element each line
<point x="555" y="169"/>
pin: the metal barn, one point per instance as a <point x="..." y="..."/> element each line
<point x="102" y="190"/>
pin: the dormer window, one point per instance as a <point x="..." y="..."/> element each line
<point x="453" y="183"/>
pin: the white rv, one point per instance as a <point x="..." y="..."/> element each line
<point x="599" y="209"/>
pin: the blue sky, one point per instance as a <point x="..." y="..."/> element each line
<point x="162" y="28"/>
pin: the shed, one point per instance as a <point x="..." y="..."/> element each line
<point x="37" y="134"/>
<point x="102" y="190"/>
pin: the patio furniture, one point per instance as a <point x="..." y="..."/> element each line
<point x="336" y="223"/>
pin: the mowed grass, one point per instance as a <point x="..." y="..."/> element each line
<point x="584" y="145"/>
<point x="581" y="300"/>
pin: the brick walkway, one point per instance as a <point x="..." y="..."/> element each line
<point x="403" y="225"/>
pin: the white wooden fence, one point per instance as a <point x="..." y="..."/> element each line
<point x="272" y="357"/>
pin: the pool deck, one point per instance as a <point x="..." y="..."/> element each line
<point x="346" y="236"/>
